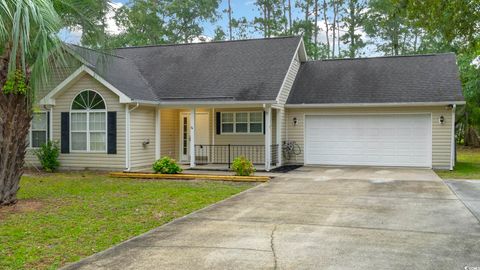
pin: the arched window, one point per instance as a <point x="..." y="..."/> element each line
<point x="88" y="123"/>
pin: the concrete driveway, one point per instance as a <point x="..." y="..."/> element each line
<point x="469" y="192"/>
<point x="316" y="218"/>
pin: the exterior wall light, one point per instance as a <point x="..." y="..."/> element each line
<point x="146" y="142"/>
<point x="442" y="120"/>
<point x="295" y="121"/>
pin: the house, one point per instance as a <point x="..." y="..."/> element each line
<point x="207" y="103"/>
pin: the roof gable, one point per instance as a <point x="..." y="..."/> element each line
<point x="49" y="99"/>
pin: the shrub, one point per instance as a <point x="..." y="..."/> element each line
<point x="242" y="166"/>
<point x="166" y="165"/>
<point x="48" y="154"/>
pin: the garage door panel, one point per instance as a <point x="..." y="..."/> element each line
<point x="383" y="140"/>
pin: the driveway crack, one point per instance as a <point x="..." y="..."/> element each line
<point x="272" y="246"/>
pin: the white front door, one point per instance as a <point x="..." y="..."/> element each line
<point x="376" y="140"/>
<point x="201" y="133"/>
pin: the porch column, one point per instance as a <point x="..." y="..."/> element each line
<point x="268" y="137"/>
<point x="278" y="139"/>
<point x="192" y="137"/>
<point x="157" y="133"/>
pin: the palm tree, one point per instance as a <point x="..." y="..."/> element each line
<point x="28" y="37"/>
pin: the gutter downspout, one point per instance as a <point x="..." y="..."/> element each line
<point x="127" y="135"/>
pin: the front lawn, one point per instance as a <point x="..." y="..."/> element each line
<point x="467" y="167"/>
<point x="64" y="217"/>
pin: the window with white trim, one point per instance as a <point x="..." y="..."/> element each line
<point x="88" y="123"/>
<point x="242" y="122"/>
<point x="38" y="130"/>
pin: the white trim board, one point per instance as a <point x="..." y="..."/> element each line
<point x="357" y="105"/>
<point x="295" y="55"/>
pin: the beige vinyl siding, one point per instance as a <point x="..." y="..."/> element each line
<point x="86" y="160"/>
<point x="289" y="79"/>
<point x="169" y="133"/>
<point x="441" y="134"/>
<point x="142" y="128"/>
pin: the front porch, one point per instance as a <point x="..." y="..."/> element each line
<point x="211" y="138"/>
<point x="222" y="156"/>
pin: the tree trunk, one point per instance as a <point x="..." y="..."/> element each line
<point x="265" y="30"/>
<point x="338" y="34"/>
<point x="325" y="8"/>
<point x="351" y="28"/>
<point x="15" y="117"/>
<point x="307" y="20"/>
<point x="269" y="20"/>
<point x="334" y="25"/>
<point x="229" y="20"/>
<point x="465" y="129"/>
<point x="14" y="125"/>
<point x="290" y="17"/>
<point x="472" y="139"/>
<point x="315" y="38"/>
<point x="395" y="38"/>
<point x="285" y="23"/>
<point x="415" y="42"/>
<point x="307" y="10"/>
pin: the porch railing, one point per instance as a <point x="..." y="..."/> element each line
<point x="226" y="153"/>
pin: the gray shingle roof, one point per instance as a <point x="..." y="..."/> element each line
<point x="244" y="70"/>
<point x="423" y="78"/>
<point x="118" y="71"/>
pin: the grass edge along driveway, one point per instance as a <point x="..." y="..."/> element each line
<point x="467" y="166"/>
<point x="64" y="217"/>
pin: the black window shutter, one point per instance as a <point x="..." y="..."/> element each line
<point x="48" y="127"/>
<point x="112" y="132"/>
<point x="65" y="133"/>
<point x="219" y="122"/>
<point x="264" y="122"/>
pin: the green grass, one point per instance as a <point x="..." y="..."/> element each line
<point x="467" y="167"/>
<point x="62" y="218"/>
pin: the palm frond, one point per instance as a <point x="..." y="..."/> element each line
<point x="29" y="28"/>
<point x="5" y="15"/>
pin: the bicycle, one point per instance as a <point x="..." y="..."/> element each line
<point x="290" y="148"/>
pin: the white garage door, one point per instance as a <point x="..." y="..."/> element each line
<point x="377" y="140"/>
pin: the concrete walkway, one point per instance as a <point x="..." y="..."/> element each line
<point x="316" y="218"/>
